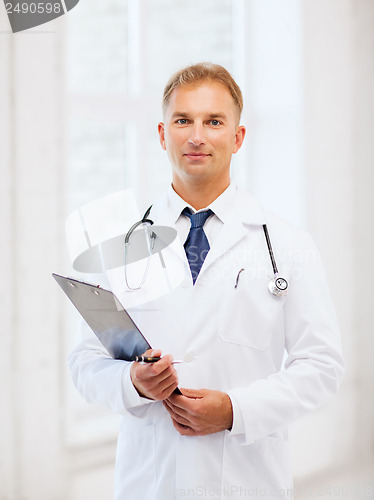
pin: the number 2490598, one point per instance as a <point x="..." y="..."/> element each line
<point x="33" y="8"/>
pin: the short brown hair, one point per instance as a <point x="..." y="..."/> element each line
<point x="200" y="72"/>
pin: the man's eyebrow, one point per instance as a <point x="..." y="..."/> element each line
<point x="180" y="114"/>
<point x="217" y="115"/>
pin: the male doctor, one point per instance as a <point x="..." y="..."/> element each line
<point x="255" y="357"/>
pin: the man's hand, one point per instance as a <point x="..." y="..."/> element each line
<point x="200" y="412"/>
<point x="154" y="380"/>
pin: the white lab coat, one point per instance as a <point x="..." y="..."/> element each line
<point x="233" y="340"/>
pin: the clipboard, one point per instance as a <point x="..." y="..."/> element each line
<point x="107" y="318"/>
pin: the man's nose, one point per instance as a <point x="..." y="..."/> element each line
<point x="197" y="136"/>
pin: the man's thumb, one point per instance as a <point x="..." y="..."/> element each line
<point x="192" y="393"/>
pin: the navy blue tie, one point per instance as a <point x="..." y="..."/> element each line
<point x="196" y="245"/>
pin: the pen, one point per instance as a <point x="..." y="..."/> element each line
<point x="152" y="359"/>
<point x="237" y="278"/>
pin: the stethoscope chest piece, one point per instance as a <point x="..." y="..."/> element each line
<point x="278" y="286"/>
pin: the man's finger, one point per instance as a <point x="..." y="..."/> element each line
<point x="162" y="380"/>
<point x="193" y="393"/>
<point x="184" y="430"/>
<point x="174" y="410"/>
<point x="182" y="403"/>
<point x="153" y="353"/>
<point x="179" y="418"/>
<point x="167" y="386"/>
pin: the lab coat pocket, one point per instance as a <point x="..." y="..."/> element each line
<point x="135" y="461"/>
<point x="250" y="315"/>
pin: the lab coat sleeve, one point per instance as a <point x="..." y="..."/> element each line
<point x="238" y="422"/>
<point x="314" y="366"/>
<point x="102" y="380"/>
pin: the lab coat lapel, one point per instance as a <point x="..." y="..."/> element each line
<point x="231" y="233"/>
<point x="162" y="217"/>
<point x="245" y="212"/>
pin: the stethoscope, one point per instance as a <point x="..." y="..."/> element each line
<point x="277" y="286"/>
<point x="151" y="238"/>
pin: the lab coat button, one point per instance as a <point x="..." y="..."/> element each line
<point x="188" y="357"/>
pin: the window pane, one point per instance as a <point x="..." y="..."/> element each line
<point x="186" y="31"/>
<point x="96" y="159"/>
<point x="97" y="47"/>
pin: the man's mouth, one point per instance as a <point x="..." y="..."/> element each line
<point x="196" y="155"/>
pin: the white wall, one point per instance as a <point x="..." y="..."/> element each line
<point x="339" y="149"/>
<point x="31" y="431"/>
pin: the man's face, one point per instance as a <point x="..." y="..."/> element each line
<point x="200" y="134"/>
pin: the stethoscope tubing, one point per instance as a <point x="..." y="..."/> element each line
<point x="268" y="242"/>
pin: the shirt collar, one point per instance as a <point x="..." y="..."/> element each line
<point x="220" y="206"/>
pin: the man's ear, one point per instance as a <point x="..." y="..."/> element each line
<point x="161" y="133"/>
<point x="239" y="138"/>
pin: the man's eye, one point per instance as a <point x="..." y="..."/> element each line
<point x="215" y="123"/>
<point x="182" y="121"/>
